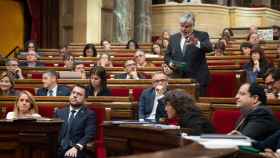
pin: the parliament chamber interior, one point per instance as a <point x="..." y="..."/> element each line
<point x="140" y="78"/>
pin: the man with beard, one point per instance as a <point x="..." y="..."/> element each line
<point x="79" y="127"/>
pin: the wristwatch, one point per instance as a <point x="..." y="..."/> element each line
<point x="77" y="147"/>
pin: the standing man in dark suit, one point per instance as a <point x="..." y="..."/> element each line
<point x="51" y="88"/>
<point x="187" y="50"/>
<point x="151" y="107"/>
<point x="79" y="127"/>
<point x="257" y="120"/>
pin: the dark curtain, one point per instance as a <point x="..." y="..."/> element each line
<point x="45" y="22"/>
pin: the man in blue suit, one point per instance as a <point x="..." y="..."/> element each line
<point x="151" y="107"/>
<point x="186" y="52"/>
<point x="50" y="86"/>
<point x="79" y="127"/>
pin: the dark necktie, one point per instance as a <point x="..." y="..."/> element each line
<point x="50" y="92"/>
<point x="66" y="143"/>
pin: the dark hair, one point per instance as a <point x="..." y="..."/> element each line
<point x="229" y="30"/>
<point x="255" y="89"/>
<point x="182" y="102"/>
<point x="257" y="49"/>
<point x="245" y="45"/>
<point x="28" y="42"/>
<point x="11" y="78"/>
<point x="100" y="72"/>
<point x="133" y="41"/>
<point x="83" y="87"/>
<point x="275" y="73"/>
<point x="90" y="46"/>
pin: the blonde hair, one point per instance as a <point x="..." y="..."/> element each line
<point x="33" y="106"/>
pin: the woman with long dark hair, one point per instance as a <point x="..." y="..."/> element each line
<point x="258" y="64"/>
<point x="98" y="82"/>
<point x="182" y="111"/>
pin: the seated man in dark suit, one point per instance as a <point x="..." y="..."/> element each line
<point x="79" y="126"/>
<point x="131" y="72"/>
<point x="31" y="60"/>
<point x="151" y="108"/>
<point x="50" y="86"/>
<point x="256" y="121"/>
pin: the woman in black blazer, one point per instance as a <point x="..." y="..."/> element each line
<point x="98" y="82"/>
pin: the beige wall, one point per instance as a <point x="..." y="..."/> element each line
<point x="211" y="18"/>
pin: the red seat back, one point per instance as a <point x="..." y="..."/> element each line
<point x="124" y="92"/>
<point x="99" y="141"/>
<point x="222" y="84"/>
<point x="136" y="93"/>
<point x="224" y="120"/>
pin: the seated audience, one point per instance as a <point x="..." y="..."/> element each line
<point x="258" y="64"/>
<point x="50" y="86"/>
<point x="79" y="127"/>
<point x="25" y="106"/>
<point x="245" y="48"/>
<point x="130" y="72"/>
<point x="140" y="59"/>
<point x="272" y="83"/>
<point x="106" y="44"/>
<point x="31" y="60"/>
<point x="182" y="111"/>
<point x="104" y="60"/>
<point x="13" y="68"/>
<point x="156" y="49"/>
<point x="151" y="108"/>
<point x="219" y="48"/>
<point x="253" y="29"/>
<point x="257" y="120"/>
<point x="227" y="32"/>
<point x="63" y="51"/>
<point x="68" y="61"/>
<point x="7" y="85"/>
<point x="132" y="44"/>
<point x="98" y="82"/>
<point x="165" y="35"/>
<point x="79" y="67"/>
<point x="276" y="32"/>
<point x="89" y="50"/>
<point x="30" y="46"/>
<point x="253" y="38"/>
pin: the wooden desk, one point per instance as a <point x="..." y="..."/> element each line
<point x="29" y="139"/>
<point x="191" y="151"/>
<point x="127" y="139"/>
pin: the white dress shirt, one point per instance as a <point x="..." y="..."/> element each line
<point x="54" y="91"/>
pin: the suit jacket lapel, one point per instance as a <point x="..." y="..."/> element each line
<point x="78" y="116"/>
<point x="65" y="118"/>
<point x="153" y="95"/>
<point x="58" y="91"/>
<point x="178" y="44"/>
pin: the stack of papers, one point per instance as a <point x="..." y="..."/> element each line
<point x="220" y="141"/>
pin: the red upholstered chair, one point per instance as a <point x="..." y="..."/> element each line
<point x="120" y="92"/>
<point x="31" y="90"/>
<point x="136" y="93"/>
<point x="222" y="84"/>
<point x="99" y="141"/>
<point x="47" y="110"/>
<point x="34" y="75"/>
<point x="5" y="109"/>
<point x="277" y="115"/>
<point x="224" y="120"/>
